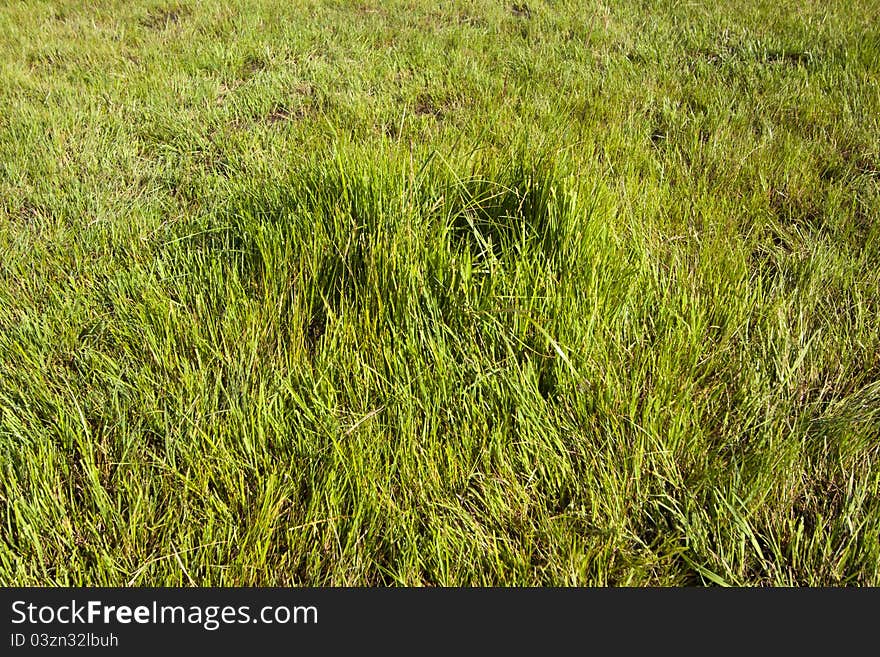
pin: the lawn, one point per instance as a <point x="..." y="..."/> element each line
<point x="439" y="293"/>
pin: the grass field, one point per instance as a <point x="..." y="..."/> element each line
<point x="439" y="293"/>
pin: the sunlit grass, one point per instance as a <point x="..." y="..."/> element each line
<point x="325" y="293"/>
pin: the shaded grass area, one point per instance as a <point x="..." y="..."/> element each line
<point x="555" y="295"/>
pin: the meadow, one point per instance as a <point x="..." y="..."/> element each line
<point x="412" y="292"/>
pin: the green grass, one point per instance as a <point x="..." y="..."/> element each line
<point x="441" y="293"/>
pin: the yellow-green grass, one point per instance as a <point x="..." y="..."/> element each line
<point x="439" y="293"/>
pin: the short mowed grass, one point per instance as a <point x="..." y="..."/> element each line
<point x="439" y="293"/>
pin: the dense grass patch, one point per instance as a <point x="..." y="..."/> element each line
<point x="409" y="293"/>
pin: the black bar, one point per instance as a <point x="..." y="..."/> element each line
<point x="545" y="621"/>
